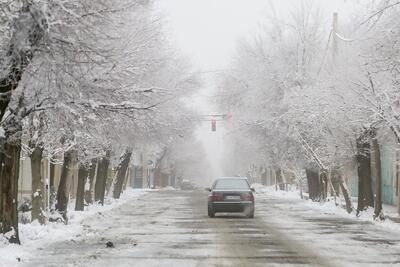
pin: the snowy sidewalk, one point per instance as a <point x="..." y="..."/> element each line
<point x="345" y="238"/>
<point x="34" y="236"/>
<point x="392" y="221"/>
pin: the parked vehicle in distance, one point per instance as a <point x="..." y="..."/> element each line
<point x="231" y="194"/>
<point x="188" y="185"/>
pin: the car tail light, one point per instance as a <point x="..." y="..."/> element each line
<point x="248" y="196"/>
<point x="216" y="196"/>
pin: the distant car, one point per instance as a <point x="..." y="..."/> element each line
<point x="231" y="194"/>
<point x="187" y="185"/>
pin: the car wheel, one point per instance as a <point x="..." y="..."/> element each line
<point x="211" y="212"/>
<point x="250" y="214"/>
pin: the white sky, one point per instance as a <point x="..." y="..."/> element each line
<point x="207" y="32"/>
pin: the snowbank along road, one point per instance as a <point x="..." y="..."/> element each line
<point x="171" y="228"/>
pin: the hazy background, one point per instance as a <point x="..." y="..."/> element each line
<point x="207" y="32"/>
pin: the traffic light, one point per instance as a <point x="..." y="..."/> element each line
<point x="229" y="116"/>
<point x="213" y="125"/>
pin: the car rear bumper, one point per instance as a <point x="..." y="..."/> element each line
<point x="231" y="206"/>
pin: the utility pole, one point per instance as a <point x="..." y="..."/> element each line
<point x="334" y="35"/>
<point x="398" y="184"/>
<point x="213" y="124"/>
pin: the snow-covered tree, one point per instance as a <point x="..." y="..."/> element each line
<point x="99" y="75"/>
<point x="314" y="95"/>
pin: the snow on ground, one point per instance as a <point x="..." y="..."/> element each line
<point x="330" y="207"/>
<point x="271" y="191"/>
<point x="341" y="238"/>
<point x="171" y="228"/>
<point x="34" y="235"/>
<point x="168" y="188"/>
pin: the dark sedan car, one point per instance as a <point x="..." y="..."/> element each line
<point x="231" y="194"/>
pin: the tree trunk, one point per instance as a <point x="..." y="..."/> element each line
<point x="53" y="192"/>
<point x="121" y="173"/>
<point x="346" y="195"/>
<point x="92" y="172"/>
<point x="271" y="175"/>
<point x="80" y="192"/>
<point x="1" y="190"/>
<point x="278" y="178"/>
<point x="300" y="185"/>
<point x="52" y="173"/>
<point x="109" y="180"/>
<point x="100" y="185"/>
<point x="19" y="57"/>
<point x="395" y="131"/>
<point x="158" y="177"/>
<point x="336" y="180"/>
<point x="264" y="176"/>
<point x="339" y="182"/>
<point x="65" y="182"/>
<point x="37" y="186"/>
<point x="397" y="173"/>
<point x="173" y="177"/>
<point x="127" y="175"/>
<point x="9" y="179"/>
<point x="378" y="214"/>
<point x="313" y="184"/>
<point x="301" y="189"/>
<point x="101" y="179"/>
<point x="323" y="185"/>
<point x="398" y="195"/>
<point x="365" y="194"/>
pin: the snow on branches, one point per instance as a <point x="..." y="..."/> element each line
<point x="309" y="92"/>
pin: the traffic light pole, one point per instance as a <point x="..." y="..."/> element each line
<point x="217" y="117"/>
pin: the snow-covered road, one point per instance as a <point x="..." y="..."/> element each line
<point x="171" y="228"/>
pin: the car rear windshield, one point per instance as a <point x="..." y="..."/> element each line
<point x="231" y="184"/>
